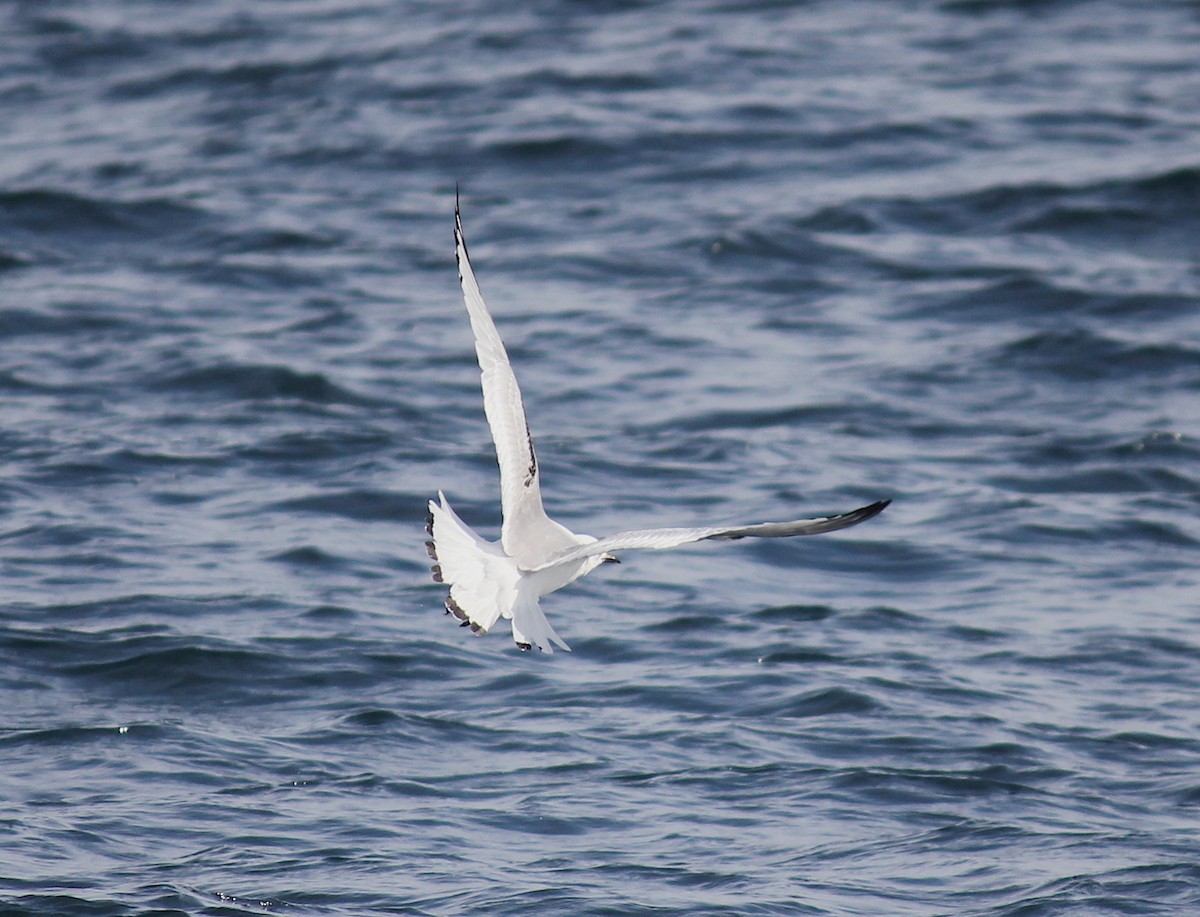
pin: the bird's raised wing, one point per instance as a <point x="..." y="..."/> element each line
<point x="526" y="527"/>
<point x="661" y="539"/>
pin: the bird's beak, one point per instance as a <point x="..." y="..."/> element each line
<point x="610" y="559"/>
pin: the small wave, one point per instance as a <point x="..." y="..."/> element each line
<point x="835" y="701"/>
<point x="799" y="656"/>
<point x="1149" y="213"/>
<point x="309" y="556"/>
<point x="1169" y="887"/>
<point x="261" y="383"/>
<point x="63" y="905"/>
<point x="330" y="613"/>
<point x="361" y="505"/>
<point x="1160" y="201"/>
<point x="1117" y="657"/>
<point x="1099" y="479"/>
<point x="10" y="260"/>
<point x="616" y="81"/>
<point x="64" y="214"/>
<point x="173" y="664"/>
<point x="60" y="535"/>
<point x="272" y="241"/>
<point x="126" y="465"/>
<point x="121" y="465"/>
<point x="78" y="735"/>
<point x="987" y="211"/>
<point x="372" y="719"/>
<point x="17" y="322"/>
<point x="687" y="624"/>
<point x="783" y="257"/>
<point x="762" y="418"/>
<point x="905" y="785"/>
<point x="563" y="149"/>
<point x="298" y="448"/>
<point x="263" y="78"/>
<point x="1059" y="462"/>
<point x="1011" y="296"/>
<point x="800" y="614"/>
<point x="1085" y="356"/>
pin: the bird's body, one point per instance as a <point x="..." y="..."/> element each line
<point x="536" y="555"/>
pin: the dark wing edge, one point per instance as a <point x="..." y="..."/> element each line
<point x="804" y="526"/>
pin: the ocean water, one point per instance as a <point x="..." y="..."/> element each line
<point x="752" y="260"/>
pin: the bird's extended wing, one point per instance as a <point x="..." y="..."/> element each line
<point x="661" y="539"/>
<point x="526" y="527"/>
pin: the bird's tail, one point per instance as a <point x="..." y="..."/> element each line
<point x="530" y="627"/>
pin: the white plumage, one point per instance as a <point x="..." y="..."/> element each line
<point x="535" y="555"/>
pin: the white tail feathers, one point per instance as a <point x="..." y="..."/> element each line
<point x="530" y="626"/>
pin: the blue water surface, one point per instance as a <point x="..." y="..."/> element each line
<point x="753" y="260"/>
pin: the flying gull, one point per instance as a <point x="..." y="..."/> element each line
<point x="535" y="555"/>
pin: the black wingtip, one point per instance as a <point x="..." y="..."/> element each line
<point x="804" y="526"/>
<point x="862" y="514"/>
<point x="876" y="508"/>
<point x="460" y="237"/>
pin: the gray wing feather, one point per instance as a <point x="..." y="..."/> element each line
<point x="662" y="539"/>
<point x="805" y="526"/>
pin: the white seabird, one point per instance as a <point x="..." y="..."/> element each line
<point x="535" y="555"/>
